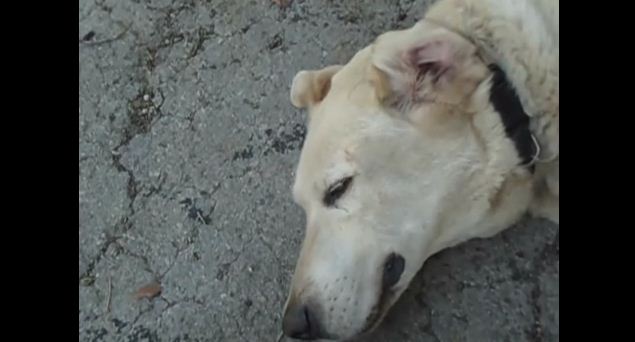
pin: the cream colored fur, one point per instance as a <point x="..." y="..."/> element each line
<point x="409" y="118"/>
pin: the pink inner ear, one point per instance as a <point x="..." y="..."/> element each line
<point x="433" y="56"/>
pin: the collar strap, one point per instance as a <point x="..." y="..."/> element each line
<point x="516" y="122"/>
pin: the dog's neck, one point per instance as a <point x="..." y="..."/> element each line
<point x="498" y="191"/>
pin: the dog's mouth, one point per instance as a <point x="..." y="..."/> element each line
<point x="379" y="310"/>
<point x="392" y="270"/>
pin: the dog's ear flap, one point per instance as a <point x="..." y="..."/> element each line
<point x="406" y="62"/>
<point x="311" y="86"/>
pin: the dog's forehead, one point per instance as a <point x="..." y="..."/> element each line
<point x="329" y="151"/>
<point x="336" y="126"/>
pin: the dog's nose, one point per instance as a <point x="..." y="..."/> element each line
<point x="300" y="322"/>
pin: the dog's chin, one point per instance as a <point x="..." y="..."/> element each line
<point x="368" y="329"/>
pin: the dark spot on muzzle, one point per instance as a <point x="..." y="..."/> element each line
<point x="393" y="268"/>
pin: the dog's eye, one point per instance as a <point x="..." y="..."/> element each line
<point x="336" y="191"/>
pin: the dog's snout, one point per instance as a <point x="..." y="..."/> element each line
<point x="300" y="321"/>
<point x="393" y="268"/>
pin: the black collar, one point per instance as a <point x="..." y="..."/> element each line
<point x="507" y="103"/>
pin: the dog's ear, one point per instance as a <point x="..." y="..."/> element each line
<point x="311" y="86"/>
<point x="413" y="63"/>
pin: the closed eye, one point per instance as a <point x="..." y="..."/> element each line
<point x="337" y="190"/>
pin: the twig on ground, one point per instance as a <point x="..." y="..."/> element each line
<point x="107" y="40"/>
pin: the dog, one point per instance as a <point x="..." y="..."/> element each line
<point x="428" y="137"/>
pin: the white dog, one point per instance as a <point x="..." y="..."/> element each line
<point x="428" y="137"/>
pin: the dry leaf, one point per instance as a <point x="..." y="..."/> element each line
<point x="149" y="291"/>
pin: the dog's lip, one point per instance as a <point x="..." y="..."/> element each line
<point x="379" y="310"/>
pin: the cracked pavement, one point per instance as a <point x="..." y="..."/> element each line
<point x="186" y="154"/>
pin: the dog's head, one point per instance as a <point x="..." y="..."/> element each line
<point x="403" y="154"/>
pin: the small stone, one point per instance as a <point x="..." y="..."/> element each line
<point x="88" y="36"/>
<point x="87" y="281"/>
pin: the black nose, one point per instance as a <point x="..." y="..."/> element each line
<point x="300" y="322"/>
<point x="393" y="268"/>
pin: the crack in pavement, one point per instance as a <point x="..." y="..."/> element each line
<point x="122" y="226"/>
